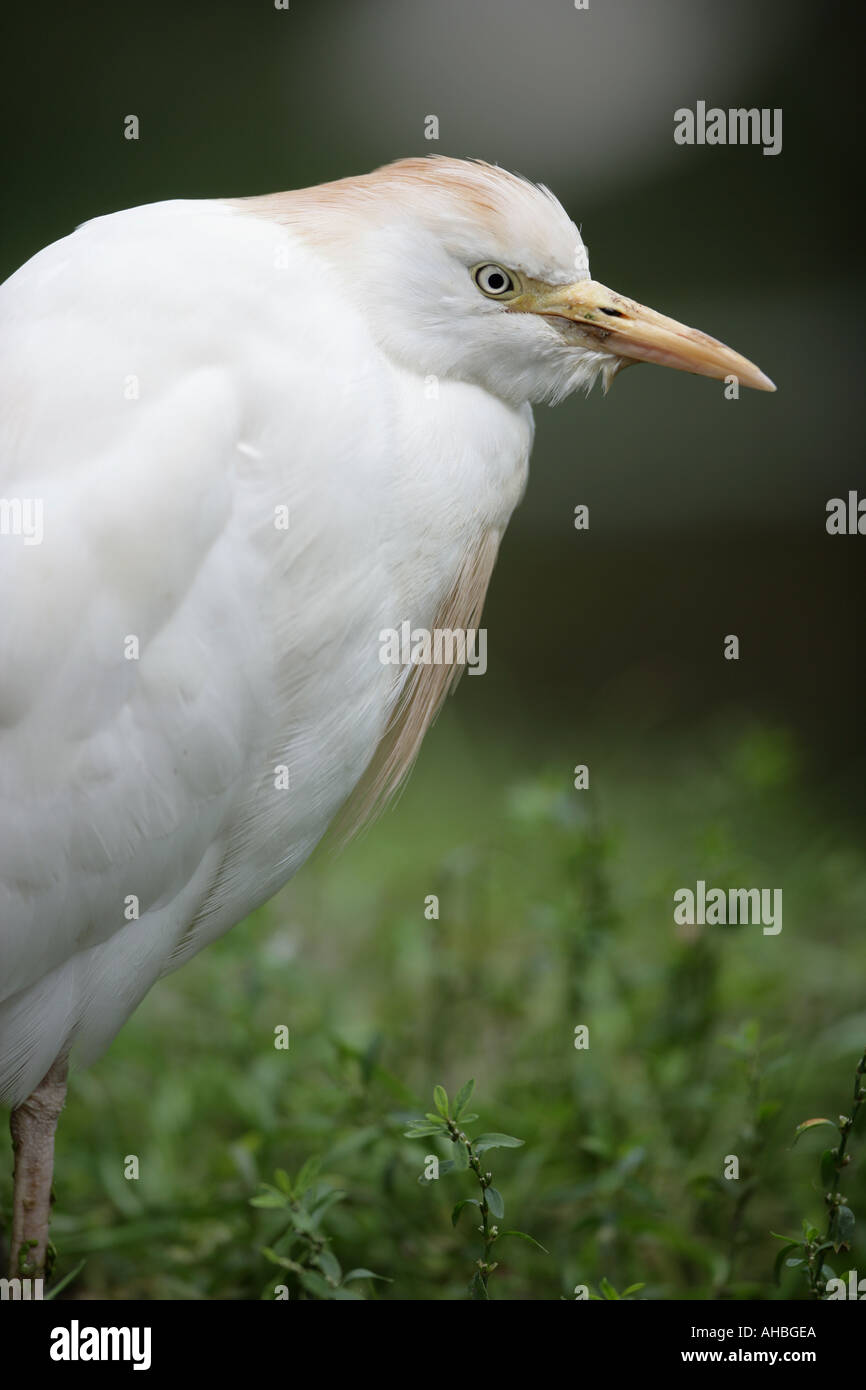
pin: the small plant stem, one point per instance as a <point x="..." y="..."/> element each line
<point x="489" y="1233"/>
<point x="833" y="1199"/>
<point x="315" y="1243"/>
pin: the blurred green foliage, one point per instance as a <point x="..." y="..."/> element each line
<point x="555" y="911"/>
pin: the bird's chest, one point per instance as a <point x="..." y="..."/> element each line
<point x="460" y="467"/>
<point x="401" y="532"/>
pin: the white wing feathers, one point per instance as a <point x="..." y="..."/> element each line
<point x="177" y="381"/>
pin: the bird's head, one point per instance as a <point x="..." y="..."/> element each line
<point x="466" y="271"/>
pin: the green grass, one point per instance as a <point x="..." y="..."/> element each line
<point x="555" y="910"/>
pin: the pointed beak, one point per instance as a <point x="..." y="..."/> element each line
<point x="599" y="318"/>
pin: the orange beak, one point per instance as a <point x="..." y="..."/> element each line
<point x="602" y="319"/>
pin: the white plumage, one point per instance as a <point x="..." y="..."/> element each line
<point x="174" y="378"/>
<point x="259" y="387"/>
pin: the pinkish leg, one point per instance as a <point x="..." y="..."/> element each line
<point x="33" y="1123"/>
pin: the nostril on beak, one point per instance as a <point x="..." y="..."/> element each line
<point x="613" y="313"/>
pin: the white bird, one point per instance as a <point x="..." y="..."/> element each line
<point x="239" y="439"/>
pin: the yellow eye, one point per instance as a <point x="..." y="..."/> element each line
<point x="493" y="280"/>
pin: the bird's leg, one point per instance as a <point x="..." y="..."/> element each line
<point x="33" y="1123"/>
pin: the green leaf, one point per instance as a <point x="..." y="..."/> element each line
<point x="462" y="1097"/>
<point x="781" y="1259"/>
<point x="303" y="1221"/>
<point x="812" y="1124"/>
<point x="422" y="1131"/>
<point x="329" y="1265"/>
<point x="326" y="1201"/>
<point x="844" y="1227"/>
<point x="494" y="1201"/>
<point x="496" y="1141"/>
<point x="792" y="1240"/>
<point x="608" y="1290"/>
<point x="461" y="1157"/>
<point x="440" y="1100"/>
<point x="269" y="1200"/>
<point x="477" y="1291"/>
<point x="632" y="1288"/>
<point x="307" y="1175"/>
<point x="283" y="1181"/>
<point x="521" y="1235"/>
<point x="466" y="1202"/>
<point x="365" y="1274"/>
<point x="467" y="1119"/>
<point x="315" y="1284"/>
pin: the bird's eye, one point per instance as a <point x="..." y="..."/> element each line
<point x="493" y="280"/>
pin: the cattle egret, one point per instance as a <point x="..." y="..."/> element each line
<point x="239" y="439"/>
